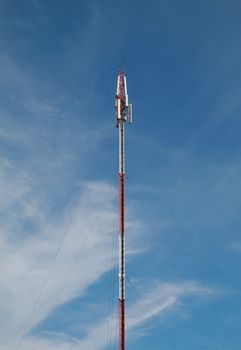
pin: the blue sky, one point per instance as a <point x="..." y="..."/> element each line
<point x="59" y="186"/>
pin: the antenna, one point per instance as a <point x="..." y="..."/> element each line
<point x="123" y="112"/>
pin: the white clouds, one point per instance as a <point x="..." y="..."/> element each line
<point x="25" y="265"/>
<point x="160" y="298"/>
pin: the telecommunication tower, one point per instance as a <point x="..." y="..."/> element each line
<point x="123" y="111"/>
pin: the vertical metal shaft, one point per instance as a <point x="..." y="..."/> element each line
<point x="121" y="238"/>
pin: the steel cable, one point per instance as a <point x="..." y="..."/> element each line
<point x="171" y="343"/>
<point x="197" y="272"/>
<point x="112" y="270"/>
<point x="69" y="274"/>
<point x="188" y="294"/>
<point x="49" y="271"/>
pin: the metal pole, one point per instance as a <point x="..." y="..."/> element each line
<point x="121" y="238"/>
<point x="123" y="112"/>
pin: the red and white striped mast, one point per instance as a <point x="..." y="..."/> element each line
<point x="123" y="113"/>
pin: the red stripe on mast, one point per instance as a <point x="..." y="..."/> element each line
<point x="121" y="324"/>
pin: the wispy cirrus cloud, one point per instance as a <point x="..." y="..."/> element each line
<point x="151" y="306"/>
<point x="36" y="267"/>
